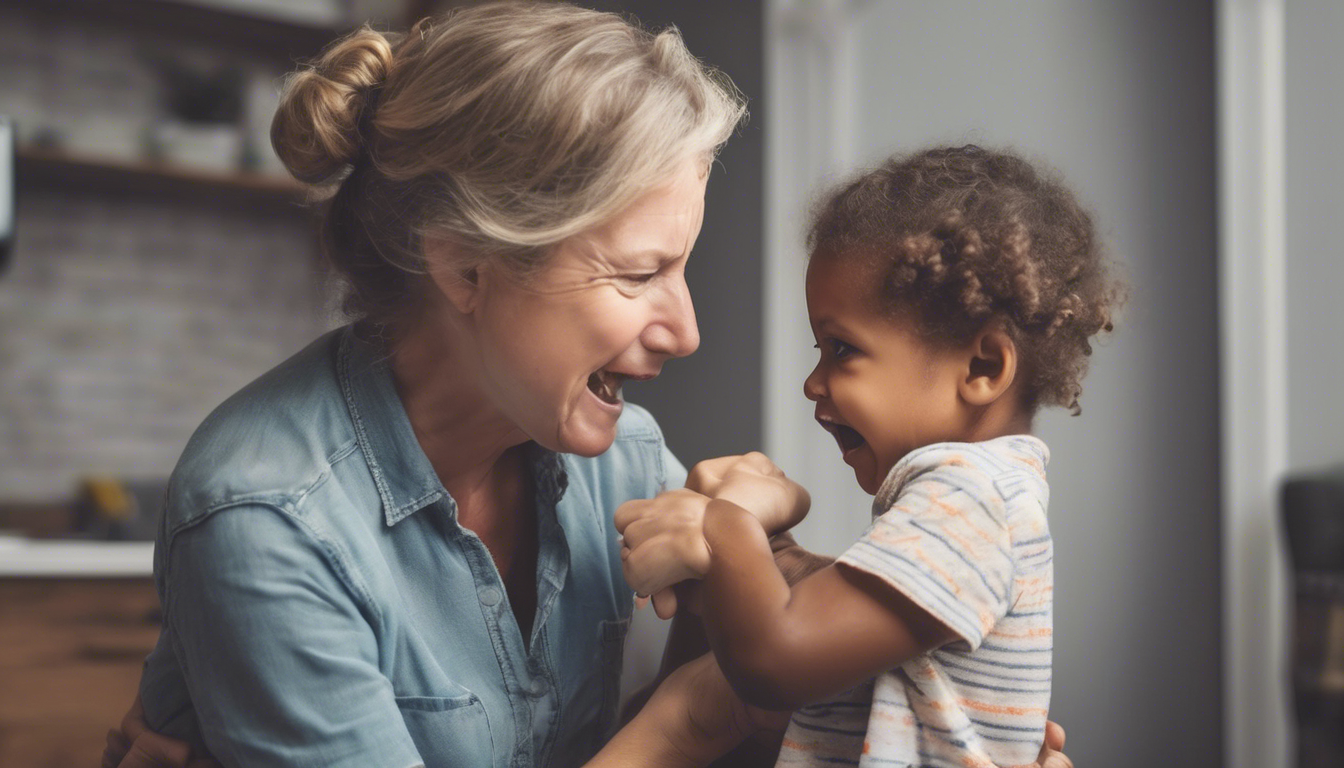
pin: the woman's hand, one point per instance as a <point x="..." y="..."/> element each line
<point x="663" y="544"/>
<point x="692" y="718"/>
<point x="135" y="746"/>
<point x="753" y="482"/>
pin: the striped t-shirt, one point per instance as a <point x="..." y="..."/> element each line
<point x="959" y="529"/>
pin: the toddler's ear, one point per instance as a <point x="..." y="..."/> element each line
<point x="991" y="366"/>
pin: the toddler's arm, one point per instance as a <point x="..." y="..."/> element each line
<point x="664" y="536"/>
<point x="782" y="647"/>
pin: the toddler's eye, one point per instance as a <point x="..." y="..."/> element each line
<point x="840" y="349"/>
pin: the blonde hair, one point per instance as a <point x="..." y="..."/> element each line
<point x="502" y="128"/>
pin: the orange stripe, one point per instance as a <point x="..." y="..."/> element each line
<point x="1000" y="709"/>
<point x="1038" y="632"/>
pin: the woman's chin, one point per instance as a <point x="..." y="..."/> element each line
<point x="589" y="438"/>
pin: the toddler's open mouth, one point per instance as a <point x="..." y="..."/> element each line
<point x="846" y="437"/>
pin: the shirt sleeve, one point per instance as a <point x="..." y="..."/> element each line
<point x="944" y="543"/>
<point x="674" y="472"/>
<point x="280" y="662"/>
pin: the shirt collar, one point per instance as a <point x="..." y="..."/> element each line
<point x="405" y="479"/>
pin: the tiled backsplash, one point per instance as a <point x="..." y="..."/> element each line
<point x="124" y="319"/>
<point x="124" y="322"/>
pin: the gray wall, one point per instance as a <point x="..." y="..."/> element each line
<point x="1119" y="96"/>
<point x="709" y="404"/>
<point x="1315" y="202"/>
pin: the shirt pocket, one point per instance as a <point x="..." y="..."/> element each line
<point x="611" y="643"/>
<point x="448" y="731"/>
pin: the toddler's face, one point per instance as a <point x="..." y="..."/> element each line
<point x="880" y="389"/>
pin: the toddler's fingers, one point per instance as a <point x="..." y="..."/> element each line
<point x="629" y="512"/>
<point x="665" y="603"/>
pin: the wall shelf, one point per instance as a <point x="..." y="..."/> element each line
<point x="47" y="169"/>
<point x="272" y="36"/>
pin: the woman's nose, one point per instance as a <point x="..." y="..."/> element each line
<point x="813" y="387"/>
<point x="675" y="333"/>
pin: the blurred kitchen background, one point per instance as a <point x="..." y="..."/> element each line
<point x="155" y="259"/>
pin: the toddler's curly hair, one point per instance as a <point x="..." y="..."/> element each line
<point x="960" y="236"/>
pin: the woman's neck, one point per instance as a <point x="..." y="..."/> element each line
<point x="461" y="430"/>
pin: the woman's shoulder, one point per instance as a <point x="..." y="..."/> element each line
<point x="272" y="438"/>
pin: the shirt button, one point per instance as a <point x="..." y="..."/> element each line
<point x="538" y="687"/>
<point x="490" y="596"/>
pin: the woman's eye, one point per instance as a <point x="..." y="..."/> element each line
<point x="641" y="278"/>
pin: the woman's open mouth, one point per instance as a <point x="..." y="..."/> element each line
<point x="606" y="386"/>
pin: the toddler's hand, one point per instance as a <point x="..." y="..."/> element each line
<point x="753" y="482"/>
<point x="664" y="540"/>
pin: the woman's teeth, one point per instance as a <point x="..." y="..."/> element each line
<point x="607" y="386"/>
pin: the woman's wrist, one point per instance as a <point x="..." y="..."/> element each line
<point x="692" y="718"/>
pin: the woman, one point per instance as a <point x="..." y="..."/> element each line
<point x="396" y="548"/>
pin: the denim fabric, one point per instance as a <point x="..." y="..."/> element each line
<point x="322" y="606"/>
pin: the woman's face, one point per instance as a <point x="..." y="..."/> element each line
<point x="611" y="304"/>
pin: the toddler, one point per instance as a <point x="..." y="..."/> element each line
<point x="952" y="293"/>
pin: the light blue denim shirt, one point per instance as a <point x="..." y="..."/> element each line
<point x="322" y="606"/>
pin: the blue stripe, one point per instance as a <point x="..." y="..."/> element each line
<point x="1023" y="728"/>
<point x="980" y="660"/>
<point x="1001" y="689"/>
<point x="970" y="563"/>
<point x="1000" y="648"/>
<point x="953" y="611"/>
<point x="914" y="490"/>
<point x="974" y="671"/>
<point x="825" y="729"/>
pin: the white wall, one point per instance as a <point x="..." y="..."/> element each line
<point x="1315" y="203"/>
<point x="1118" y="96"/>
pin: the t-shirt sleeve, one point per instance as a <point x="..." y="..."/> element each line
<point x="944" y="544"/>
<point x="281" y="663"/>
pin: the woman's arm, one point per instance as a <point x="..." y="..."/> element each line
<point x="692" y="718"/>
<point x="279" y="654"/>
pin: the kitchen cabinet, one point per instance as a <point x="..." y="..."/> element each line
<point x="71" y="651"/>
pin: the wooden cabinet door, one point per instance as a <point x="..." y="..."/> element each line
<point x="71" y="651"/>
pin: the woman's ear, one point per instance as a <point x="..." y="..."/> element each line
<point x="991" y="366"/>
<point x="462" y="288"/>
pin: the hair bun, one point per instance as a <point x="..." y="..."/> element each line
<point x="316" y="128"/>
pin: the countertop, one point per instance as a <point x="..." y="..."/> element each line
<point x="74" y="558"/>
